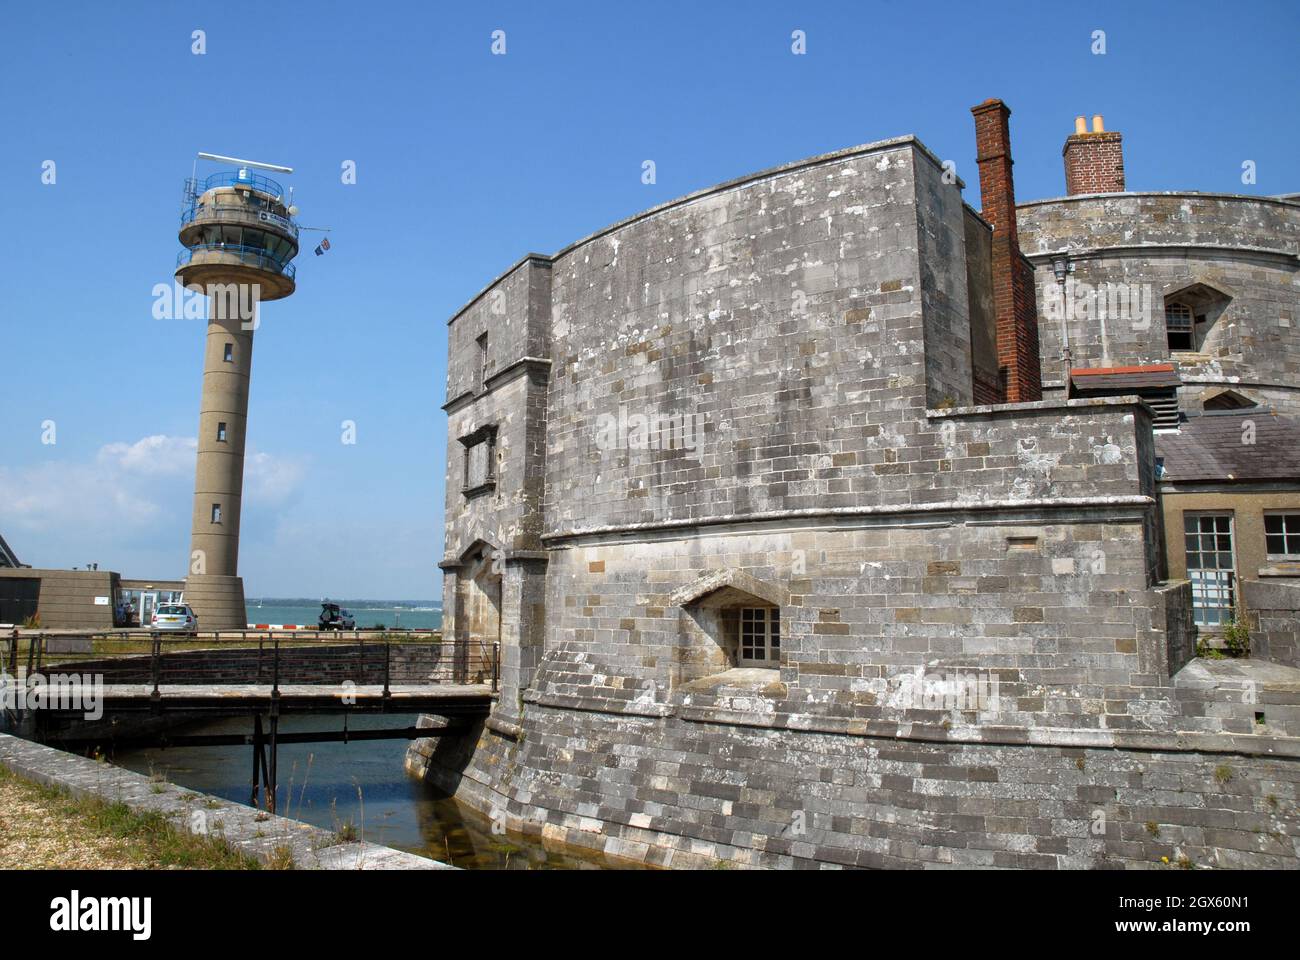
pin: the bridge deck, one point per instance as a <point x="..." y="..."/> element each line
<point x="443" y="699"/>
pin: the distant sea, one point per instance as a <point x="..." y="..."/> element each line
<point x="416" y="614"/>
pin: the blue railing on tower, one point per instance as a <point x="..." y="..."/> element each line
<point x="239" y="178"/>
<point x="196" y="211"/>
<point x="252" y="256"/>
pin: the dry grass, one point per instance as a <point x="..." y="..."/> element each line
<point x="43" y="829"/>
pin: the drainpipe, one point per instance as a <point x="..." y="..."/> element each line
<point x="1063" y="266"/>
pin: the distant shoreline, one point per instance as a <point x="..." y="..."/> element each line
<point x="345" y="602"/>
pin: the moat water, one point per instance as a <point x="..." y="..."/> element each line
<point x="364" y="783"/>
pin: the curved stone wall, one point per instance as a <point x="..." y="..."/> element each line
<point x="1239" y="255"/>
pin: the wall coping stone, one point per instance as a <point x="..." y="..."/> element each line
<point x="1285" y="200"/>
<point x="240" y="826"/>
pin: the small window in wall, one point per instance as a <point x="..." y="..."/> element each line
<point x="1180" y="326"/>
<point x="1282" y="535"/>
<point x="480" y="460"/>
<point x="482" y="342"/>
<point x="760" y="637"/>
<point x="229" y="355"/>
<point x="216" y="513"/>
<point x="1228" y="400"/>
<point x="221" y="432"/>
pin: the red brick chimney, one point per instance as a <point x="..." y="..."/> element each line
<point x="1094" y="162"/>
<point x="1013" y="276"/>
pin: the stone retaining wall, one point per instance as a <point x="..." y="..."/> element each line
<point x="255" y="833"/>
<point x="685" y="793"/>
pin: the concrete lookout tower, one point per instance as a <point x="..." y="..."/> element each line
<point x="240" y="238"/>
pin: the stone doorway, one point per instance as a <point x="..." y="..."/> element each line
<point x="478" y="608"/>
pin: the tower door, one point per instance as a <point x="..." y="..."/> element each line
<point x="1211" y="567"/>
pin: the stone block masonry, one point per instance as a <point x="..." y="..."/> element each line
<point x="863" y="618"/>
<point x="688" y="792"/>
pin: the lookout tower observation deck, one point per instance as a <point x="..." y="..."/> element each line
<point x="237" y="227"/>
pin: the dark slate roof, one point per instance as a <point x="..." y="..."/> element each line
<point x="1125" y="378"/>
<point x="1211" y="447"/>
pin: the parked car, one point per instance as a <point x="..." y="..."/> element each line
<point x="174" y="617"/>
<point x="334" y="617"/>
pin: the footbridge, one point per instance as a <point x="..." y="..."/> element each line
<point x="120" y="689"/>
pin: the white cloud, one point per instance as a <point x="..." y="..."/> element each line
<point x="271" y="480"/>
<point x="158" y="455"/>
<point x="129" y="499"/>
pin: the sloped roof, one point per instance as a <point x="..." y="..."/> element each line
<point x="1125" y="378"/>
<point x="1216" y="446"/>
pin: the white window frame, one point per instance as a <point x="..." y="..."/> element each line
<point x="758" y="630"/>
<point x="1214" y="589"/>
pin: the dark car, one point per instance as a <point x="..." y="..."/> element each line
<point x="334" y="617"/>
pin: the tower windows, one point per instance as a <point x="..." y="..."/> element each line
<point x="482" y="342"/>
<point x="1179" y="326"/>
<point x="229" y="355"/>
<point x="480" y="460"/>
<point x="1192" y="316"/>
<point x="216" y="513"/>
<point x="221" y="432"/>
<point x="760" y="637"/>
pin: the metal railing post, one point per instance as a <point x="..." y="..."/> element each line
<point x="387" y="650"/>
<point x="275" y="669"/>
<point x="496" y="663"/>
<point x="155" y="663"/>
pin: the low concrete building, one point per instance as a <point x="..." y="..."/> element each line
<point x="80" y="599"/>
<point x="76" y="599"/>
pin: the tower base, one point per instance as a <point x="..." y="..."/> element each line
<point x="218" y="602"/>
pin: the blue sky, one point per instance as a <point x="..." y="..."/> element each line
<point x="465" y="161"/>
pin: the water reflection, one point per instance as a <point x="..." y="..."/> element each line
<point x="331" y="784"/>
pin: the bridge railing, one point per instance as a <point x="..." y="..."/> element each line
<point x="317" y="658"/>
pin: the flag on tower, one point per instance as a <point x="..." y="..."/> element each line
<point x="323" y="246"/>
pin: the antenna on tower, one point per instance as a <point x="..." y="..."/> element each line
<point x="245" y="163"/>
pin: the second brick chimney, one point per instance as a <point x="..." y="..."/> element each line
<point x="1013" y="276"/>
<point x="1094" y="160"/>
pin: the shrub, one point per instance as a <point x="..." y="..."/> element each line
<point x="1236" y="636"/>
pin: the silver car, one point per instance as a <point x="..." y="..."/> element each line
<point x="174" y="617"/>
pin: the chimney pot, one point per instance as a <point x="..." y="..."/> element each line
<point x="1094" y="162"/>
